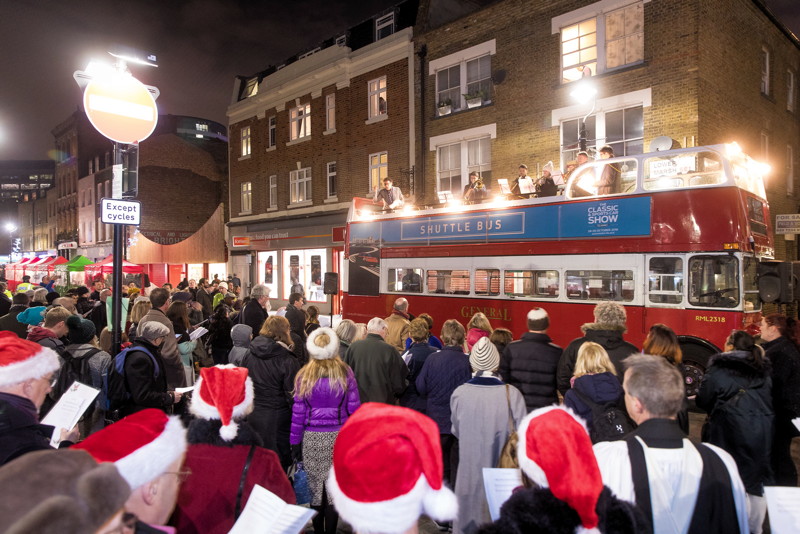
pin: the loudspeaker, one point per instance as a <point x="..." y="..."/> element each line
<point x="776" y="281"/>
<point x="330" y="285"/>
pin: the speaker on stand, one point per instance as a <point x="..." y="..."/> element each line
<point x="330" y="286"/>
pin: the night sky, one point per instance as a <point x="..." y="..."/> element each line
<point x="201" y="46"/>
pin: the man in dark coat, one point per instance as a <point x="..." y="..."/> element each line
<point x="255" y="311"/>
<point x="170" y="354"/>
<point x="19" y="303"/>
<point x="26" y="374"/>
<point x="296" y="316"/>
<point x="203" y="296"/>
<point x="530" y="363"/>
<point x="379" y="369"/>
<point x="606" y="331"/>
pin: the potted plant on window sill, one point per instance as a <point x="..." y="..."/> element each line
<point x="474" y="99"/>
<point x="445" y="107"/>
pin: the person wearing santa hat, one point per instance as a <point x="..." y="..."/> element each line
<point x="147" y="449"/>
<point x="387" y="471"/>
<point x="225" y="455"/>
<point x="325" y="395"/>
<point x="564" y="492"/>
<point x="27" y="371"/>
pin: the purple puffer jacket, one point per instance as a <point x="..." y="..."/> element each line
<point x="324" y="410"/>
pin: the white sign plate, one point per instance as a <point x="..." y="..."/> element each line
<point x="113" y="211"/>
<point x="788" y="223"/>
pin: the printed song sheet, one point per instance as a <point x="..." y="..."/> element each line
<point x="69" y="409"/>
<point x="499" y="483"/>
<point x="783" y="505"/>
<point x="267" y="513"/>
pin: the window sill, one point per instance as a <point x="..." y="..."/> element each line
<point x="243" y="213"/>
<point x="300" y="204"/>
<point x="330" y="200"/>
<point x="275" y="208"/>
<point x="608" y="72"/>
<point x="271" y="149"/>
<point x="242" y="158"/>
<point x="298" y="141"/>
<point x="379" y="118"/>
<point x="329" y="132"/>
<point x="486" y="104"/>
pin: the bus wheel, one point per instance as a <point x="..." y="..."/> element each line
<point x="695" y="362"/>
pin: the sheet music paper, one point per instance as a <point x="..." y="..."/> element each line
<point x="783" y="505"/>
<point x="69" y="409"/>
<point x="526" y="186"/>
<point x="267" y="513"/>
<point x="796" y="422"/>
<point x="197" y="332"/>
<point x="503" y="183"/>
<point x="499" y="483"/>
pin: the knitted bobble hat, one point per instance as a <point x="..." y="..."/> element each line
<point x="80" y="330"/>
<point x="329" y="350"/>
<point x="223" y="392"/>
<point x="484" y="356"/>
<point x="555" y="452"/>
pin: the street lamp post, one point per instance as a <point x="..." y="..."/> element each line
<point x="584" y="92"/>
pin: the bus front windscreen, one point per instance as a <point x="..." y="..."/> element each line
<point x="714" y="281"/>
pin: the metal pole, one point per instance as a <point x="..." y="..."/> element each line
<point x="116" y="283"/>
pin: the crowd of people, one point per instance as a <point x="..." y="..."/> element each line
<point x="389" y="420"/>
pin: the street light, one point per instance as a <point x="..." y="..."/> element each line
<point x="584" y="92"/>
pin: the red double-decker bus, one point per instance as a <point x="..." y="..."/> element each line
<point x="677" y="239"/>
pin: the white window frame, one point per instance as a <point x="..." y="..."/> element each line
<point x="246" y="205"/>
<point x="245" y="145"/>
<point x="300" y="187"/>
<point x="378" y="169"/>
<point x="460" y="60"/>
<point x="789" y="170"/>
<point x="300" y="122"/>
<point x="601" y="136"/>
<point x="597" y="11"/>
<point x="331" y="186"/>
<point x="765" y="59"/>
<point x="791" y="91"/>
<point x="272" y="132"/>
<point x="386" y="21"/>
<point x="464" y="166"/>
<point x="330" y="113"/>
<point x="377" y="89"/>
<point x="273" y="192"/>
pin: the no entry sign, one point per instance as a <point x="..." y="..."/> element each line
<point x="120" y="107"/>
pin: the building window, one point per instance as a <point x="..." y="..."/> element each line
<point x="790" y="91"/>
<point x="789" y="170"/>
<point x="378" y="169"/>
<point x="300" y="122"/>
<point x="622" y="129"/>
<point x="608" y="41"/>
<point x="764" y="70"/>
<point x="331" y="179"/>
<point x="300" y="185"/>
<point x="247" y="197"/>
<point x="273" y="192"/>
<point x="377" y="97"/>
<point x="455" y="161"/>
<point x="273" y="132"/>
<point x="246" y="141"/>
<point x="465" y="73"/>
<point x="330" y="112"/>
<point x="99" y="191"/>
<point x="384" y="26"/>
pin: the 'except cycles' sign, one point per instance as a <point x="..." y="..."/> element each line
<point x="114" y="211"/>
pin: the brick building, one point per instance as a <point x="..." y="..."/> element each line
<point x="26" y="182"/>
<point x="699" y="71"/>
<point x="308" y="136"/>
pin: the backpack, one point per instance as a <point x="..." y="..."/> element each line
<point x="118" y="394"/>
<point x="609" y="421"/>
<point x="75" y="369"/>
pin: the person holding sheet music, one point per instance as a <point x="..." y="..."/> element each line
<point x="523" y="186"/>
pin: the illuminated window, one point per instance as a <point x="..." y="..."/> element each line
<point x="330" y="112"/>
<point x="455" y="161"/>
<point x="247" y="197"/>
<point x="300" y="122"/>
<point x="245" y="141"/>
<point x="331" y="181"/>
<point x="378" y="169"/>
<point x="600" y="285"/>
<point x="579" y="50"/>
<point x="406" y="280"/>
<point x="623" y="129"/>
<point x="539" y="284"/>
<point x="448" y="282"/>
<point x="465" y="74"/>
<point x="273" y="192"/>
<point x="300" y="185"/>
<point x="487" y="282"/>
<point x="377" y="97"/>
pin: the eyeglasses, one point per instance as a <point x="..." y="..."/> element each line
<point x="126" y="526"/>
<point x="182" y="475"/>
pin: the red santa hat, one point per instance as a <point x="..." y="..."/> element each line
<point x="223" y="392"/>
<point x="142" y="445"/>
<point x="387" y="470"/>
<point x="555" y="452"/>
<point x="22" y="360"/>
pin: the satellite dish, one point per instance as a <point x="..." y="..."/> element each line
<point x="662" y="143"/>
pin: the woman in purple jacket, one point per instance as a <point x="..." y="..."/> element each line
<point x="325" y="395"/>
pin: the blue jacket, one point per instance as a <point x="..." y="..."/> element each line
<point x="602" y="388"/>
<point x="442" y="373"/>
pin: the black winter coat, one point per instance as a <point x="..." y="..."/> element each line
<point x="297" y="321"/>
<point x="147" y="390"/>
<point x="20" y="430"/>
<point x="9" y="321"/>
<point x="418" y="353"/>
<point x="442" y="373"/>
<point x="253" y="315"/>
<point x="607" y="336"/>
<point x="529" y="364"/>
<point x="785" y="360"/>
<point x="736" y="392"/>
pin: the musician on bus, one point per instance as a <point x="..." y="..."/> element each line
<point x="475" y="191"/>
<point x="523" y="182"/>
<point x="389" y="197"/>
<point x="609" y="181"/>
<point x="546" y="185"/>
